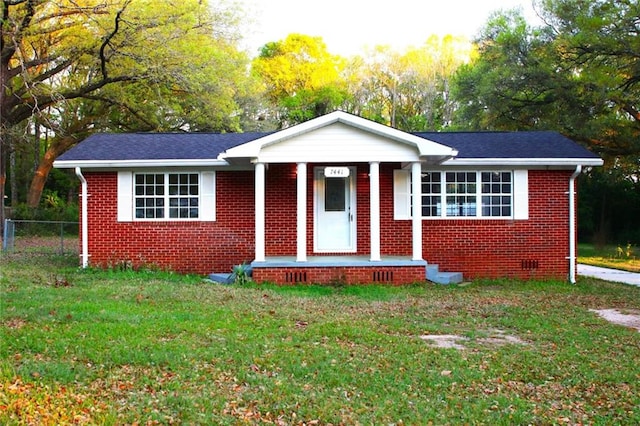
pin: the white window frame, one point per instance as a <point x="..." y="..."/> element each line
<point x="519" y="195"/>
<point x="126" y="196"/>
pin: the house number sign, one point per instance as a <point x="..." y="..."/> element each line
<point x="336" y="172"/>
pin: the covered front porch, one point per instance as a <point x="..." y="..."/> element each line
<point x="343" y="269"/>
<point x="318" y="202"/>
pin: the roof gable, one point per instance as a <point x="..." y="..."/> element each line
<point x="359" y="128"/>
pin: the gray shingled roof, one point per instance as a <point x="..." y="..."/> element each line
<point x="539" y="144"/>
<point x="199" y="146"/>
<point x="155" y="146"/>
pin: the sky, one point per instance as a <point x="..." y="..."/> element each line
<point x="349" y="26"/>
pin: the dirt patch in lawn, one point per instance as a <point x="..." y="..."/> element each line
<point x="625" y="317"/>
<point x="454" y="341"/>
<point x="15" y="323"/>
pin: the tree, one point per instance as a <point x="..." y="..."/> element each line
<point x="408" y="90"/>
<point x="577" y="74"/>
<point x="83" y="66"/>
<point x="301" y="77"/>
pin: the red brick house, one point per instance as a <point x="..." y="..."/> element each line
<point x="336" y="199"/>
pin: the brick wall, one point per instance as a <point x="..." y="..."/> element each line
<point x="534" y="248"/>
<point x="195" y="247"/>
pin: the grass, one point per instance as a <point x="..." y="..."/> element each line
<point x="106" y="347"/>
<point x="623" y="257"/>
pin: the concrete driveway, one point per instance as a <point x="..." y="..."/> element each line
<point x="607" y="274"/>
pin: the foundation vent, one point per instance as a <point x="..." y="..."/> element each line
<point x="295" y="277"/>
<point x="382" y="276"/>
<point x="529" y="264"/>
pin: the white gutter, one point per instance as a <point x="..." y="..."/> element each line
<point x="572" y="224"/>
<point x="85" y="219"/>
<point x="111" y="164"/>
<point x="540" y="162"/>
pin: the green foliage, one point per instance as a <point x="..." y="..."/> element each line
<point x="302" y="79"/>
<point x="56" y="209"/>
<point x="408" y="90"/>
<point x="151" y="347"/>
<point x="577" y="74"/>
<point x="240" y="274"/>
<point x="609" y="205"/>
<point x="78" y="68"/>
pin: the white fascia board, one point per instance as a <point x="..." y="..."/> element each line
<point x="126" y="164"/>
<point x="425" y="147"/>
<point x="536" y="162"/>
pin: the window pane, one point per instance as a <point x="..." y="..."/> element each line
<point x="431" y="194"/>
<point x="463" y="185"/>
<point x="334" y="194"/>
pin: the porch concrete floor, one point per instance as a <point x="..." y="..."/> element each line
<point x="336" y="261"/>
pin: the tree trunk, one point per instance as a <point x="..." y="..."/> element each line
<point x="57" y="147"/>
<point x="13" y="176"/>
<point x="3" y="174"/>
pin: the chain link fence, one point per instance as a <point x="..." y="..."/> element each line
<point x="40" y="237"/>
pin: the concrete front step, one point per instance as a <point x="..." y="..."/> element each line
<point x="223" y="278"/>
<point x="434" y="275"/>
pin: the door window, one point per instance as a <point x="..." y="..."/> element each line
<point x="335" y="194"/>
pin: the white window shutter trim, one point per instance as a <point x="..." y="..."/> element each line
<point x="401" y="194"/>
<point x="125" y="196"/>
<point x="521" y="194"/>
<point x="208" y="196"/>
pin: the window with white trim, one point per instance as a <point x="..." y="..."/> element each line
<point x="500" y="194"/>
<point x="166" y="195"/>
<point x="462" y="196"/>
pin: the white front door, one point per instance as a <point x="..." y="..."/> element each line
<point x="334" y="209"/>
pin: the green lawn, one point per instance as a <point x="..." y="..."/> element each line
<point x="624" y="257"/>
<point x="101" y="347"/>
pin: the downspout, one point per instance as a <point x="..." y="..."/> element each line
<point x="572" y="224"/>
<point x="85" y="219"/>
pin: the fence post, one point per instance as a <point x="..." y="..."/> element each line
<point x="8" y="236"/>
<point x="61" y="238"/>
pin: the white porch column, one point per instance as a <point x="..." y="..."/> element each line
<point x="416" y="208"/>
<point x="301" y="239"/>
<point x="374" y="209"/>
<point x="260" y="211"/>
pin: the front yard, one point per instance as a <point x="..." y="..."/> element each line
<point x="106" y="347"/>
